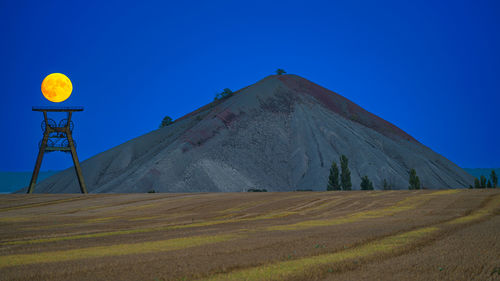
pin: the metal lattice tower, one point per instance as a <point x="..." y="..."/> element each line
<point x="57" y="137"/>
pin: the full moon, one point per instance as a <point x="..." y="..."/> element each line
<point x="56" y="87"/>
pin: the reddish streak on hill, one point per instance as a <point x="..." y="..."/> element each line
<point x="207" y="106"/>
<point x="344" y="107"/>
<point x="199" y="110"/>
<point x="329" y="99"/>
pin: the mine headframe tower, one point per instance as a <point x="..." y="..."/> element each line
<point x="57" y="137"/>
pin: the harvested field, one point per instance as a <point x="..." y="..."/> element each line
<point x="358" y="235"/>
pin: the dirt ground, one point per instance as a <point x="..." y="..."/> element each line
<point x="358" y="235"/>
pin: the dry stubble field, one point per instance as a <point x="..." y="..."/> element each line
<point x="359" y="235"/>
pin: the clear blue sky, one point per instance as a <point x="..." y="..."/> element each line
<point x="430" y="67"/>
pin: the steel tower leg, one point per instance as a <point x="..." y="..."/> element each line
<point x="39" y="158"/>
<point x="38" y="164"/>
<point x="76" y="163"/>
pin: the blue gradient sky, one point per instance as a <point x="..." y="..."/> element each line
<point x="430" y="67"/>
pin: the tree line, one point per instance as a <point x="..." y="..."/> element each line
<point x="341" y="180"/>
<point x="482" y="182"/>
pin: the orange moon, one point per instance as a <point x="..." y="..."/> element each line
<point x="56" y="87"/>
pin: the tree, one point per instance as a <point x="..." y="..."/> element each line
<point x="488" y="185"/>
<point x="494" y="178"/>
<point x="226" y="93"/>
<point x="414" y="180"/>
<point x="333" y="179"/>
<point x="476" y="183"/>
<point x="345" y="177"/>
<point x="280" y="71"/>
<point x="366" y="184"/>
<point x="166" y="121"/>
<point x="482" y="180"/>
<point x="386" y="185"/>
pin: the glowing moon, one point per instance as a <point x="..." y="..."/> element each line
<point x="56" y="87"/>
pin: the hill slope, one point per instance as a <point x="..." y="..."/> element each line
<point x="281" y="133"/>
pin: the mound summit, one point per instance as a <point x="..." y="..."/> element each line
<point x="281" y="133"/>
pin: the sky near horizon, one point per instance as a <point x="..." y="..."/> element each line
<point x="430" y="67"/>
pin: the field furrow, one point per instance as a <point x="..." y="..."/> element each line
<point x="235" y="236"/>
<point x="384" y="246"/>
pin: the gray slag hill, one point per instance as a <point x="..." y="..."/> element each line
<point x="281" y="134"/>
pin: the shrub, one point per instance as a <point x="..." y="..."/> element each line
<point x="256" y="190"/>
<point x="166" y="121"/>
<point x="280" y="71"/>
<point x="333" y="179"/>
<point x="414" y="180"/>
<point x="482" y="181"/>
<point x="345" y="177"/>
<point x="476" y="183"/>
<point x="386" y="185"/>
<point x="366" y="184"/>
<point x="226" y="93"/>
<point x="494" y="178"/>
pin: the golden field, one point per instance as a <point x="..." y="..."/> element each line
<point x="358" y="235"/>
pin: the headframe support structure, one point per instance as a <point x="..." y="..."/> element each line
<point x="57" y="137"/>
